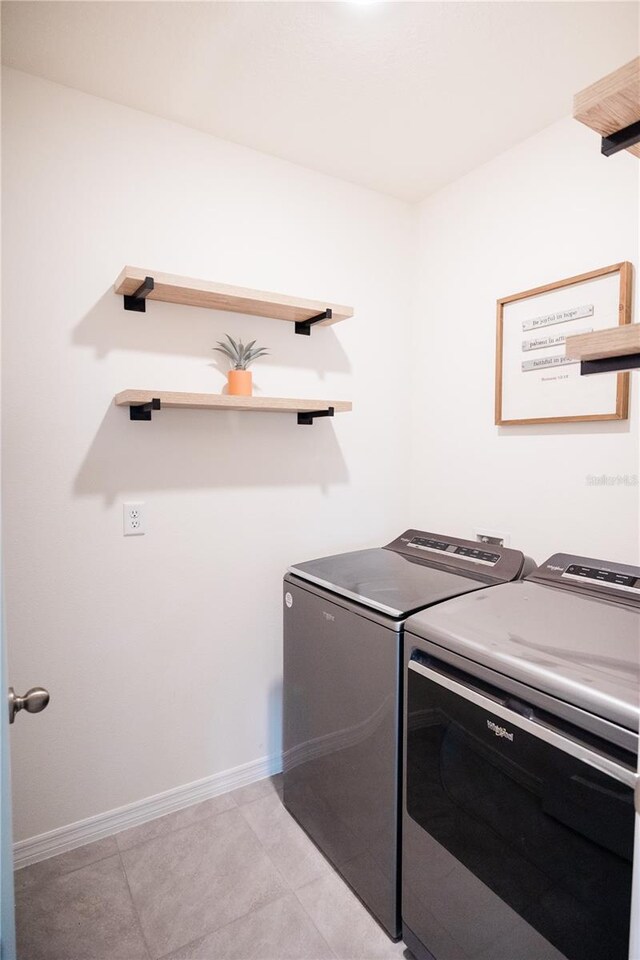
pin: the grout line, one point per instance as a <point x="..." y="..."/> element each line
<point x="213" y="930"/>
<point x="165" y="833"/>
<point x="294" y="890"/>
<point x="306" y="838"/>
<point x="99" y="826"/>
<point x="263" y="844"/>
<point x="138" y="843"/>
<point x="65" y="873"/>
<point x="273" y="790"/>
<point x="229" y="923"/>
<point x="135" y="909"/>
<point x="168" y="833"/>
<point x="313" y="922"/>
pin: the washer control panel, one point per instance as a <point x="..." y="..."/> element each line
<point x="493" y="564"/>
<point x="600" y="577"/>
<point x="443" y="546"/>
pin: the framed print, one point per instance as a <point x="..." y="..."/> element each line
<point x="535" y="382"/>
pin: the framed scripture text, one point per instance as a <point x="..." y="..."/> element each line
<point x="535" y="381"/>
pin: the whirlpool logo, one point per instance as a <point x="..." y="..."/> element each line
<point x="499" y="731"/>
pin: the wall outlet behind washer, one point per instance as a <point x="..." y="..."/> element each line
<point x="492" y="537"/>
<point x="133" y="519"/>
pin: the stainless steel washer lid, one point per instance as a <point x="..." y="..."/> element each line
<point x="385" y="580"/>
<point x="578" y="648"/>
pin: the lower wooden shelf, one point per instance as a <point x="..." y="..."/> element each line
<point x="141" y="403"/>
<point x="606" y="351"/>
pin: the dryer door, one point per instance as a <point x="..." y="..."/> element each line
<point x="518" y="834"/>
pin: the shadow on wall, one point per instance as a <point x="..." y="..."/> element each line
<point x="566" y="429"/>
<point x="175" y="329"/>
<point x="274" y="722"/>
<point x="577" y="427"/>
<point x="200" y="449"/>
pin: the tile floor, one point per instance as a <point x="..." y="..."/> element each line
<point x="231" y="878"/>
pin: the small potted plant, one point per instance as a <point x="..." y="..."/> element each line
<point x="241" y="356"/>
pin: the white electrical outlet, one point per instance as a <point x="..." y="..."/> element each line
<point x="133" y="519"/>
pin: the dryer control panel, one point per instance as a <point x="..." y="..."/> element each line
<point x="615" y="581"/>
<point x="496" y="564"/>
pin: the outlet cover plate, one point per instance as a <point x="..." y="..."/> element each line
<point x="133" y="520"/>
<point x="495" y="537"/>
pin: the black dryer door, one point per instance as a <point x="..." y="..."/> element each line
<point x="518" y="832"/>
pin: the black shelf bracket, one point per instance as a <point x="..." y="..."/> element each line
<point x="142" y="411"/>
<point x="307" y="417"/>
<point x="303" y="327"/>
<point x="138" y="299"/>
<point x="610" y="364"/>
<point x="627" y="137"/>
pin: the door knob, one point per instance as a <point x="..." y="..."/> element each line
<point x="33" y="701"/>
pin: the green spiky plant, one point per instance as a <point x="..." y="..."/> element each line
<point x="240" y="355"/>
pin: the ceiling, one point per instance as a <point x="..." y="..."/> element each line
<point x="400" y="97"/>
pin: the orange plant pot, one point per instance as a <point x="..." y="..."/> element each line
<point x="240" y="383"/>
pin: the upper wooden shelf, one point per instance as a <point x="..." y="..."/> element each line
<point x="142" y="402"/>
<point x="611" y="350"/>
<point x="611" y="106"/>
<point x="220" y="296"/>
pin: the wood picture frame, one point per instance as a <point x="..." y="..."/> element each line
<point x="610" y="400"/>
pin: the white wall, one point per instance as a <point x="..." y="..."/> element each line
<point x="163" y="653"/>
<point x="550" y="208"/>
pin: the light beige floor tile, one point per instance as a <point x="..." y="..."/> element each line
<point x="280" y="931"/>
<point x="297" y="858"/>
<point x="190" y="882"/>
<point x="174" y="821"/>
<point x="65" y="863"/>
<point x="345" y="924"/>
<point x="256" y="791"/>
<point x="84" y="915"/>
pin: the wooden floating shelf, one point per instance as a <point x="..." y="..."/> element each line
<point x="142" y="402"/>
<point x="137" y="285"/>
<point x="606" y="351"/>
<point x="613" y="342"/>
<point x="611" y="107"/>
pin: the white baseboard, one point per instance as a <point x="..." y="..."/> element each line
<point x="103" y="825"/>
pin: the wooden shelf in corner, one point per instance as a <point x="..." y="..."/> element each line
<point x="219" y="296"/>
<point x="142" y="402"/>
<point x="613" y="350"/>
<point x="612" y="104"/>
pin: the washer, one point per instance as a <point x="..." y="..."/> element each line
<point x="343" y="625"/>
<point x="521" y="747"/>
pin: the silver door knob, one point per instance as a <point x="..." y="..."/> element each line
<point x="33" y="701"/>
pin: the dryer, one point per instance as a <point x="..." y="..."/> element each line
<point x="343" y="626"/>
<point x="521" y="749"/>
